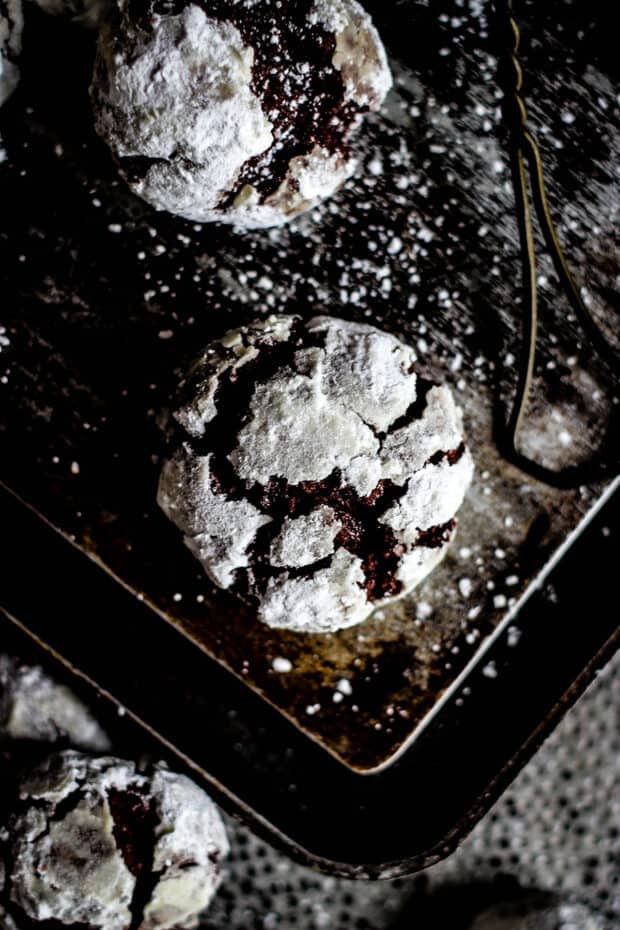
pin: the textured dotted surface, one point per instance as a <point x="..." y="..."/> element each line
<point x="556" y="829"/>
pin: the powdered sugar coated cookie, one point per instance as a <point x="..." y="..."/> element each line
<point x="316" y="472"/>
<point x="236" y="110"/>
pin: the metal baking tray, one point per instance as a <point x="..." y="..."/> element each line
<point x="105" y="301"/>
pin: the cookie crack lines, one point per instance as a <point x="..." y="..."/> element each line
<point x="236" y="110"/>
<point x="135" y="825"/>
<point x="99" y="844"/>
<point x="9" y="907"/>
<point x="313" y="471"/>
<point x="303" y="100"/>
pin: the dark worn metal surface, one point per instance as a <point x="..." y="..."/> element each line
<point x="103" y="301"/>
<point x="263" y="768"/>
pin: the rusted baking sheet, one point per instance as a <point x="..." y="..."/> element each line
<point x="104" y="302"/>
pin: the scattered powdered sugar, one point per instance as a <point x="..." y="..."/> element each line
<point x="282" y="665"/>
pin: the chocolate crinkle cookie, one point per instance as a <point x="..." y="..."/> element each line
<point x="236" y="110"/>
<point x="99" y="845"/>
<point x="34" y="708"/>
<point x="11" y="24"/>
<point x="315" y="472"/>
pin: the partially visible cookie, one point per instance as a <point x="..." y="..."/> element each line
<point x="11" y="24"/>
<point x="240" y="111"/>
<point x="315" y="472"/>
<point x="35" y="708"/>
<point x="99" y="845"/>
<point x="89" y="13"/>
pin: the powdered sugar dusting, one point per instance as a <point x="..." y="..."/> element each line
<point x="332" y="598"/>
<point x="310" y="178"/>
<point x="359" y="54"/>
<point x="305" y="539"/>
<point x="433" y="495"/>
<point x="295" y="432"/>
<point x="146" y="108"/>
<point x="89" y="830"/>
<point x="190" y="848"/>
<point x="302" y="478"/>
<point x="217" y="530"/>
<point x="35" y="708"/>
<point x="198" y="109"/>
<point x="372" y="370"/>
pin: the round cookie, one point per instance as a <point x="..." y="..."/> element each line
<point x="240" y="111"/>
<point x="11" y="24"/>
<point x="315" y="471"/>
<point x="98" y="844"/>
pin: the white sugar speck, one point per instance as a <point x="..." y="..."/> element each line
<point x="490" y="670"/>
<point x="423" y="610"/>
<point x="465" y="587"/>
<point x="281" y="664"/>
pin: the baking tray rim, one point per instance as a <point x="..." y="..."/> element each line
<point x="444" y="697"/>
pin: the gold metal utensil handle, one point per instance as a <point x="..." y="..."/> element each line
<point x="527" y="164"/>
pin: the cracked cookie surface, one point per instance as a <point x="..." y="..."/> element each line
<point x="240" y="111"/>
<point x="314" y="471"/>
<point x="99" y="845"/>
